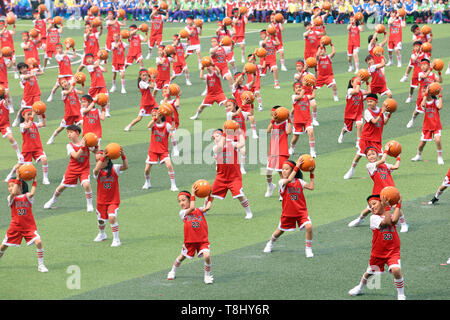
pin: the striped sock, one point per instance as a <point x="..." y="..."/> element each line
<point x="88" y="197"/>
<point x="273" y="238"/>
<point x="400" y="284"/>
<point x="45" y="171"/>
<point x="1" y="253"/>
<point x="174" y="142"/>
<point x="40" y="255"/>
<point x="246" y="206"/>
<point x="439" y="152"/>
<point x="15" y="146"/>
<point x="354" y="164"/>
<point x="123" y="83"/>
<point x="402" y="220"/>
<point x="101" y="227"/>
<point x="207" y="269"/>
<point x="115" y="230"/>
<point x="269" y="180"/>
<point x="314" y="115"/>
<point x="363" y="282"/>
<point x="312" y="145"/>
<point x="172" y="177"/>
<point x="176" y="264"/>
<point x="259" y="99"/>
<point x="308" y="244"/>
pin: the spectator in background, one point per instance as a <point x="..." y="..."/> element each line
<point x="426" y="11"/>
<point x="357" y="6"/>
<point x="50" y="4"/>
<point x="294" y="11"/>
<point x="386" y="12"/>
<point x="411" y="9"/>
<point x="196" y="6"/>
<point x="438" y="11"/>
<point x="370" y="10"/>
<point x="178" y="13"/>
<point x="343" y="11"/>
<point x="307" y="10"/>
<point x="185" y="9"/>
<point x="60" y="8"/>
<point x="446" y="11"/>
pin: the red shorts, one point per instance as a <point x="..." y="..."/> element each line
<point x="132" y="57"/>
<point x="69" y="120"/>
<point x="363" y="144"/>
<point x="352" y="48"/>
<point x="153" y="157"/>
<point x="428" y="135"/>
<point x="239" y="39"/>
<point x="14" y="237"/>
<point x="189" y="249"/>
<point x="291" y="223"/>
<point x="118" y="67"/>
<point x="275" y="162"/>
<point x="230" y="56"/>
<point x="108" y="44"/>
<point x="211" y="99"/>
<point x="224" y="71"/>
<point x="159" y="83"/>
<point x="155" y="39"/>
<point x="300" y="128"/>
<point x="376" y="264"/>
<point x="70" y="178"/>
<point x="328" y="81"/>
<point x="221" y="187"/>
<point x="27" y="102"/>
<point x="394" y="45"/>
<point x="415" y="81"/>
<point x="270" y="64"/>
<point x="5" y="130"/>
<point x="178" y="68"/>
<point x="279" y="47"/>
<point x="96" y="90"/>
<point x="106" y="210"/>
<point x="4" y="84"/>
<point x="379" y="90"/>
<point x="49" y="53"/>
<point x="348" y="123"/>
<point x="146" y="111"/>
<point x="37" y="155"/>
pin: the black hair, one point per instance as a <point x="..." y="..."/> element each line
<point x="87" y="97"/>
<point x="133" y="26"/>
<point x="372" y="95"/>
<point x="234" y="10"/>
<point x="368" y="58"/>
<point x="109" y="167"/>
<point x="306" y="23"/>
<point x="350" y="86"/>
<point x="418" y="42"/>
<point x="185" y="191"/>
<point x="425" y="60"/>
<point x="21" y="65"/>
<point x="369" y="39"/>
<point x="262" y="30"/>
<point x="88" y="55"/>
<point x="24" y="186"/>
<point x="414" y="27"/>
<point x="373" y="196"/>
<point x="219" y="129"/>
<point x="299" y="174"/>
<point x="74" y="127"/>
<point x="276" y="107"/>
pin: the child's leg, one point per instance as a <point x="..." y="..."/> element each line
<point x="293" y="143"/>
<point x="242" y="52"/>
<point x="55" y="133"/>
<point x="275" y="76"/>
<point x="283" y="66"/>
<point x="132" y="123"/>
<point x="147" y="171"/>
<point x="40" y="254"/>
<point x="55" y="87"/>
<point x="437" y="139"/>
<point x="313" y="105"/>
<point x="2" y="250"/>
<point x="199" y="110"/>
<point x="356" y="60"/>
<point x="88" y="193"/>
<point x="351" y="171"/>
<point x="308" y="240"/>
<point x="114" y="226"/>
<point x="45" y="171"/>
<point x="312" y="142"/>
<point x="14" y="144"/>
<point x="399" y="281"/>
<point x="122" y="80"/>
<point x="175" y="266"/>
<point x="335" y="93"/>
<point x="251" y="117"/>
<point x="171" y="173"/>
<point x="244" y="203"/>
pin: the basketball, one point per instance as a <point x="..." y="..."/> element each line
<point x="27" y="172"/>
<point x="153" y="72"/>
<point x="363" y="74"/>
<point x="380" y="28"/>
<point x="271" y="30"/>
<point x="96" y="22"/>
<point x="227" y="21"/>
<point x="378" y="51"/>
<point x="261" y="52"/>
<point x="174" y="89"/>
<point x="198" y="23"/>
<point x="325" y="40"/>
<point x="31" y="62"/>
<point x="279" y="17"/>
<point x="69" y="42"/>
<point x="309" y="80"/>
<point x="311" y="62"/>
<point x="243" y="10"/>
<point x="169" y="49"/>
<point x="359" y="16"/>
<point x="164" y="6"/>
<point x="34" y="33"/>
<point x="226" y="41"/>
<point x="391" y="194"/>
<point x="231" y="124"/>
<point x="91" y="139"/>
<point x="247" y="96"/>
<point x="395" y="148"/>
<point x="318" y="21"/>
<point x="426" y="47"/>
<point x="125" y="34"/>
<point x="42" y="8"/>
<point x="94" y="10"/>
<point x="112" y="151"/>
<point x="438" y="64"/>
<point x="39" y="107"/>
<point x="434" y="89"/>
<point x="143" y="27"/>
<point x="308" y="163"/>
<point x="80" y="77"/>
<point x="391" y="105"/>
<point x="103" y="54"/>
<point x="102" y="99"/>
<point x="57" y="20"/>
<point x="426" y="29"/>
<point x="326" y="5"/>
<point x="183" y="33"/>
<point x="121" y="13"/>
<point x="2" y="90"/>
<point x="401" y="12"/>
<point x="203" y="188"/>
<point x="7" y="52"/>
<point x="165" y="109"/>
<point x="250" y="67"/>
<point x="10" y="19"/>
<point x="281" y="114"/>
<point x="206" y="61"/>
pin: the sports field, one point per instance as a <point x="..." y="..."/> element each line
<point x="152" y="232"/>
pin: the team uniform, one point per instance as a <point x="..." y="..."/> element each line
<point x="354" y="40"/>
<point x="325" y="74"/>
<point x="240" y="119"/>
<point x="90" y="46"/>
<point x="31" y="91"/>
<point x="163" y="77"/>
<point x="6" y="40"/>
<point x="52" y="39"/>
<point x="195" y="233"/>
<point x="214" y="90"/>
<point x="72" y="109"/>
<point x="312" y="42"/>
<point x="278" y="148"/>
<point x="431" y="121"/>
<point x="395" y="35"/>
<point x="376" y="59"/>
<point x="159" y="143"/>
<point x="113" y="27"/>
<point x="239" y="30"/>
<point x="41" y="26"/>
<point x="156" y="31"/>
<point x="302" y="115"/>
<point x="5" y="127"/>
<point x="148" y="102"/>
<point x="424" y="81"/>
<point x="135" y="50"/>
<point x="294" y="211"/>
<point x="415" y="62"/>
<point x="193" y="40"/>
<point x="31" y="145"/>
<point x="220" y="60"/>
<point x="77" y="169"/>
<point x="179" y="62"/>
<point x="372" y="133"/>
<point x="32" y="50"/>
<point x="64" y="66"/>
<point x="278" y="36"/>
<point x="118" y="60"/>
<point x="98" y="84"/>
<point x="108" y="193"/>
<point x="257" y="84"/>
<point x="378" y="83"/>
<point x="229" y="49"/>
<point x="271" y="55"/>
<point x="92" y="122"/>
<point x="4" y="72"/>
<point x="354" y="109"/>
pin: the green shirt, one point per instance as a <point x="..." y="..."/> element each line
<point x="185" y="5"/>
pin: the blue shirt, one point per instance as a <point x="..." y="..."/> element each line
<point x="409" y="7"/>
<point x="357" y="8"/>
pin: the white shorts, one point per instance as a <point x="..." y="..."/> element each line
<point x="191" y="49"/>
<point x="446" y="182"/>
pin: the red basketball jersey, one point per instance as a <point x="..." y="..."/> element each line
<point x="108" y="186"/>
<point x="159" y="141"/>
<point x="31" y="139"/>
<point x="385" y="240"/>
<point x="279" y="139"/>
<point x="373" y="132"/>
<point x="22" y="218"/>
<point x="294" y="203"/>
<point x="77" y="166"/>
<point x="195" y="226"/>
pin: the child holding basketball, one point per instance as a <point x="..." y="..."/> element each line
<point x="324" y="68"/>
<point x="270" y="43"/>
<point x="234" y="112"/>
<point x="195" y="233"/>
<point x="294" y="211"/>
<point x="23" y="225"/>
<point x="193" y="39"/>
<point x="163" y="62"/>
<point x="90" y="45"/>
<point x="118" y="62"/>
<point x="98" y="84"/>
<point x="310" y="88"/>
<point x="92" y="116"/>
<point x="239" y="22"/>
<point x="246" y="106"/>
<point x="354" y="29"/>
<point x="108" y="195"/>
<point x="256" y="87"/>
<point x="64" y="65"/>
<point x="135" y="50"/>
<point x="378" y="83"/>
<point x="54" y="32"/>
<point x="179" y="60"/>
<point x="174" y="119"/>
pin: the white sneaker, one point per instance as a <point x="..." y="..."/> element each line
<point x="291" y="151"/>
<point x="448" y="261"/>
<point x="355" y="291"/>
<point x="336" y="98"/>
<point x="174" y="188"/>
<point x="404" y="228"/>
<point x="389" y="63"/>
<point x="243" y="170"/>
<point x="123" y="90"/>
<point x="312" y="153"/>
<point x="401" y="297"/>
<point x="45" y="181"/>
<point x="277" y="86"/>
<point x="404" y="79"/>
<point x="113" y="89"/>
<point x="410" y="123"/>
<point x="341" y="138"/>
<point x="89" y="208"/>
<point x="171" y="275"/>
<point x="283" y="68"/>
<point x="399" y="65"/>
<point x="254" y="136"/>
<point x="127" y="128"/>
<point x="408" y="100"/>
<point x="147" y="185"/>
<point x="50" y="203"/>
<point x="269" y="191"/>
<point x="100" y="237"/>
<point x="208" y="279"/>
<point x="116" y="243"/>
<point x="280" y="198"/>
<point x="447" y="71"/>
<point x="188" y="83"/>
<point x="15" y="123"/>
<point x="248" y="216"/>
<point x="416" y="158"/>
<point x="107" y="114"/>
<point x="315" y="123"/>
<point x="50" y="98"/>
<point x="309" y="253"/>
<point x="176" y="152"/>
<point x="349" y="173"/>
<point x="50" y="141"/>
<point x="147" y="57"/>
<point x="355" y="222"/>
<point x="350" y="69"/>
<point x="260" y="108"/>
<point x="42" y="268"/>
<point x="16" y="76"/>
<point x="194" y="117"/>
<point x="268" y="247"/>
<point x="440" y="161"/>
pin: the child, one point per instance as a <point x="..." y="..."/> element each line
<point x="65" y="67"/>
<point x="214" y="89"/>
<point x="396" y="23"/>
<point x="378" y="83"/>
<point x="92" y="117"/>
<point x="90" y="46"/>
<point x="23" y="225"/>
<point x="30" y="46"/>
<point x="53" y="34"/>
<point x="234" y="112"/>
<point x="385" y="245"/>
<point x="193" y="40"/>
<point x="156" y="29"/>
<point x="221" y="32"/>
<point x="179" y="61"/>
<point x="239" y="22"/>
<point x="219" y="56"/>
<point x="419" y="36"/>
<point x="78" y="168"/>
<point x="5" y="64"/>
<point x="256" y="87"/>
<point x="163" y="65"/>
<point x="325" y="74"/>
<point x="375" y="120"/>
<point x="432" y="126"/>
<point x="301" y="115"/>
<point x="118" y="62"/>
<point x="98" y="84"/>
<point x="174" y="119"/>
<point x="270" y="43"/>
<point x="148" y="102"/>
<point x="246" y="107"/>
<point x="312" y="40"/>
<point x="441" y="189"/>
<point x="5" y="128"/>
<point x="159" y="149"/>
<point x="113" y="25"/>
<point x="354" y="29"/>
<point x="279" y="27"/>
<point x="135" y="51"/>
<point x="278" y="148"/>
<point x="72" y="106"/>
<point x="108" y="195"/>
<point x="40" y="24"/>
<point x="294" y="212"/>
<point x="6" y="40"/>
<point x="195" y="234"/>
<point x="414" y="64"/>
<point x="310" y="89"/>
<point x="372" y="39"/>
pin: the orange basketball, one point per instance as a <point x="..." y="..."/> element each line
<point x="359" y="16"/>
<point x="206" y="61"/>
<point x="80" y="77"/>
<point x="96" y="22"/>
<point x="103" y="54"/>
<point x="247" y="97"/>
<point x="250" y="67"/>
<point x="57" y="20"/>
<point x="39" y="107"/>
<point x="309" y="80"/>
<point x="434" y="89"/>
<point x="125" y="34"/>
<point x="426" y="47"/>
<point x="271" y="30"/>
<point x="395" y="148"/>
<point x="308" y="163"/>
<point x="243" y="10"/>
<point x="261" y="52"/>
<point x="378" y="51"/>
<point x="174" y="89"/>
<point x="231" y="124"/>
<point x="10" y="19"/>
<point x="183" y="33"/>
<point x="7" y="52"/>
<point x="226" y="41"/>
<point x="2" y="90"/>
<point x="325" y="40"/>
<point x="27" y="172"/>
<point x="326" y="5"/>
<point x="318" y="21"/>
<point x="165" y="109"/>
<point x="34" y="33"/>
<point x="401" y="12"/>
<point x="198" y="23"/>
<point x="363" y="74"/>
<point x="426" y="29"/>
<point x="164" y="6"/>
<point x="202" y="188"/>
<point x="227" y="21"/>
<point x="311" y="62"/>
<point x="102" y="99"/>
<point x="380" y="28"/>
<point x="91" y="139"/>
<point x="169" y="49"/>
<point x="112" y="151"/>
<point x="121" y="13"/>
<point x="153" y="72"/>
<point x="279" y="17"/>
<point x="281" y="114"/>
<point x="31" y="62"/>
<point x="391" y="105"/>
<point x="69" y="42"/>
<point x="42" y="8"/>
<point x="438" y="64"/>
<point x="391" y="194"/>
<point x="94" y="10"/>
<point x="143" y="27"/>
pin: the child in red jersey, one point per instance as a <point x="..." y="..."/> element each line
<point x="54" y="32"/>
<point x="30" y="46"/>
<point x="419" y="36"/>
<point x="118" y="62"/>
<point x="23" y="225"/>
<point x="294" y="211"/>
<point x="135" y="50"/>
<point x="156" y="29"/>
<point x="414" y="64"/>
<point x="354" y="29"/>
<point x="441" y="189"/>
<point x="378" y="83"/>
<point x="256" y="87"/>
<point x="148" y="102"/>
<point x="173" y="119"/>
<point x="385" y="245"/>
<point x="324" y="67"/>
<point x="158" y="150"/>
<point x="219" y="57"/>
<point x="72" y="106"/>
<point x="375" y="120"/>
<point x="77" y="169"/>
<point x="234" y="112"/>
<point x="5" y="129"/>
<point x="92" y="116"/>
<point x="89" y="18"/>
<point x="279" y="27"/>
<point x="354" y="109"/>
<point x="372" y="39"/>
<point x="221" y="32"/>
<point x="310" y="89"/>
<point x="312" y="40"/>
<point x="6" y="40"/>
<point x="40" y="24"/>
<point x="270" y="43"/>
<point x="179" y="61"/>
<point x="163" y="62"/>
<point x="278" y="148"/>
<point x="239" y="22"/>
<point x="396" y="23"/>
<point x="195" y="233"/>
<point x="301" y="115"/>
<point x="113" y="25"/>
<point x="214" y="89"/>
<point x="108" y="194"/>
<point x="193" y="40"/>
<point x="65" y="67"/>
<point x="246" y="107"/>
<point x="90" y="45"/>
<point x="432" y="127"/>
<point x="98" y="84"/>
<point x="5" y="64"/>
<point x="425" y="78"/>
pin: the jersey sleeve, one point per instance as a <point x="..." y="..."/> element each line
<point x="90" y="68"/>
<point x="143" y="85"/>
<point x="10" y="200"/>
<point x="302" y="182"/>
<point x="229" y="115"/>
<point x="281" y="187"/>
<point x="367" y="116"/>
<point x="70" y="149"/>
<point x="116" y="168"/>
<point x="375" y="221"/>
<point x="182" y="214"/>
<point x="59" y="57"/>
<point x="371" y="167"/>
<point x="31" y="199"/>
